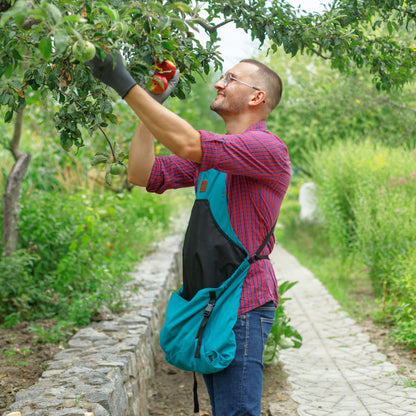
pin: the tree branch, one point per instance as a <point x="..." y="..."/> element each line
<point x="124" y="186"/>
<point x="14" y="143"/>
<point x="316" y="52"/>
<point x="209" y="28"/>
<point x="401" y="106"/>
<point x="333" y="5"/>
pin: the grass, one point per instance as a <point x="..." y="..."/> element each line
<point x="364" y="248"/>
<point x="346" y="279"/>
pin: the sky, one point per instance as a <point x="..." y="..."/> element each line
<point x="237" y="45"/>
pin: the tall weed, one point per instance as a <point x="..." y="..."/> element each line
<point x="385" y="226"/>
<point x="399" y="306"/>
<point x="367" y="198"/>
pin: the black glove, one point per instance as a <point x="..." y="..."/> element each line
<point x="115" y="76"/>
<point x="173" y="82"/>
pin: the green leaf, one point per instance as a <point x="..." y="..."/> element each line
<point x="9" y="71"/>
<point x="164" y="23"/>
<point x="8" y="116"/>
<point x="66" y="141"/>
<point x="107" y="107"/>
<point x="107" y="178"/>
<point x="183" y="7"/>
<point x="54" y="12"/>
<point x="45" y="47"/>
<point x="4" y="98"/>
<point x="61" y="41"/>
<point x="112" y="13"/>
<point x="168" y="45"/>
<point x="98" y="159"/>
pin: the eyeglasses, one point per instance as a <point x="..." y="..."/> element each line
<point x="228" y="78"/>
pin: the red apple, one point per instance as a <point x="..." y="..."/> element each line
<point x="159" y="84"/>
<point x="168" y="68"/>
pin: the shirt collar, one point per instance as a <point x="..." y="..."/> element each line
<point x="260" y="125"/>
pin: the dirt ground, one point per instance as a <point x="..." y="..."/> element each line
<point x="172" y="391"/>
<point x="22" y="362"/>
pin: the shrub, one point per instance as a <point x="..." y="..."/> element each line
<point x="367" y="198"/>
<point x="76" y="251"/>
<point x="398" y="303"/>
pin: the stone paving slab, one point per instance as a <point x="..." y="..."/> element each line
<point x="337" y="371"/>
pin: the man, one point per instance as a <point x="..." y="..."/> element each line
<point x="258" y="174"/>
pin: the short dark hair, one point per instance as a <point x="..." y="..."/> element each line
<point x="271" y="82"/>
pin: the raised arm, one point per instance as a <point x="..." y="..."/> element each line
<point x="168" y="128"/>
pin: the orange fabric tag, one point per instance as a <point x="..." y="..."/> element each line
<point x="203" y="186"/>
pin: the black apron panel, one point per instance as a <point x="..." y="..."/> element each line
<point x="210" y="257"/>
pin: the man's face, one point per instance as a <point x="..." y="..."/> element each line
<point x="232" y="99"/>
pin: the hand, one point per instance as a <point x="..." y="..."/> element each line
<point x="115" y="75"/>
<point x="173" y="82"/>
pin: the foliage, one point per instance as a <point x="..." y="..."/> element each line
<point x="43" y="34"/>
<point x="367" y="200"/>
<point x="356" y="183"/>
<point x="57" y="334"/>
<point x="398" y="306"/>
<point x="282" y="334"/>
<point x="75" y="254"/>
<point x="37" y="38"/>
<point x="350" y="34"/>
<point x="320" y="107"/>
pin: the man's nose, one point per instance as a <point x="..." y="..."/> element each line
<point x="220" y="84"/>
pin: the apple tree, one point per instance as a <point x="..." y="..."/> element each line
<point x="52" y="38"/>
<point x="43" y="46"/>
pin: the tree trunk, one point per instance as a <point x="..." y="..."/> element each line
<point x="11" y="196"/>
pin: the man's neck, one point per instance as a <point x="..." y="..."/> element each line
<point x="236" y="125"/>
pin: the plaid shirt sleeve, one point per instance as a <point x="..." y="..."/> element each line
<point x="171" y="172"/>
<point x="255" y="153"/>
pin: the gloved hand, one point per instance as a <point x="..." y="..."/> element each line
<point x="116" y="77"/>
<point x="172" y="83"/>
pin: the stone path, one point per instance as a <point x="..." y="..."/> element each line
<point x="337" y="371"/>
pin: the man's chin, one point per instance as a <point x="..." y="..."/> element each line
<point x="216" y="103"/>
<point x="214" y="106"/>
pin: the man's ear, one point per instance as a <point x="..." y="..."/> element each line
<point x="258" y="98"/>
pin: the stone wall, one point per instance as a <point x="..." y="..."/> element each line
<point x="107" y="366"/>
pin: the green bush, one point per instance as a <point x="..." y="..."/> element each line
<point x="385" y="226"/>
<point x="355" y="176"/>
<point x="367" y="198"/>
<point x="76" y="250"/>
<point x="17" y="289"/>
<point x="398" y="304"/>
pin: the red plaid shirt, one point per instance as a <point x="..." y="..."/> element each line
<point x="258" y="168"/>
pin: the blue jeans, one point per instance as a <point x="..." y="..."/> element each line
<point x="237" y="390"/>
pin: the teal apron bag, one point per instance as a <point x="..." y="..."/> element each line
<point x="198" y="332"/>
